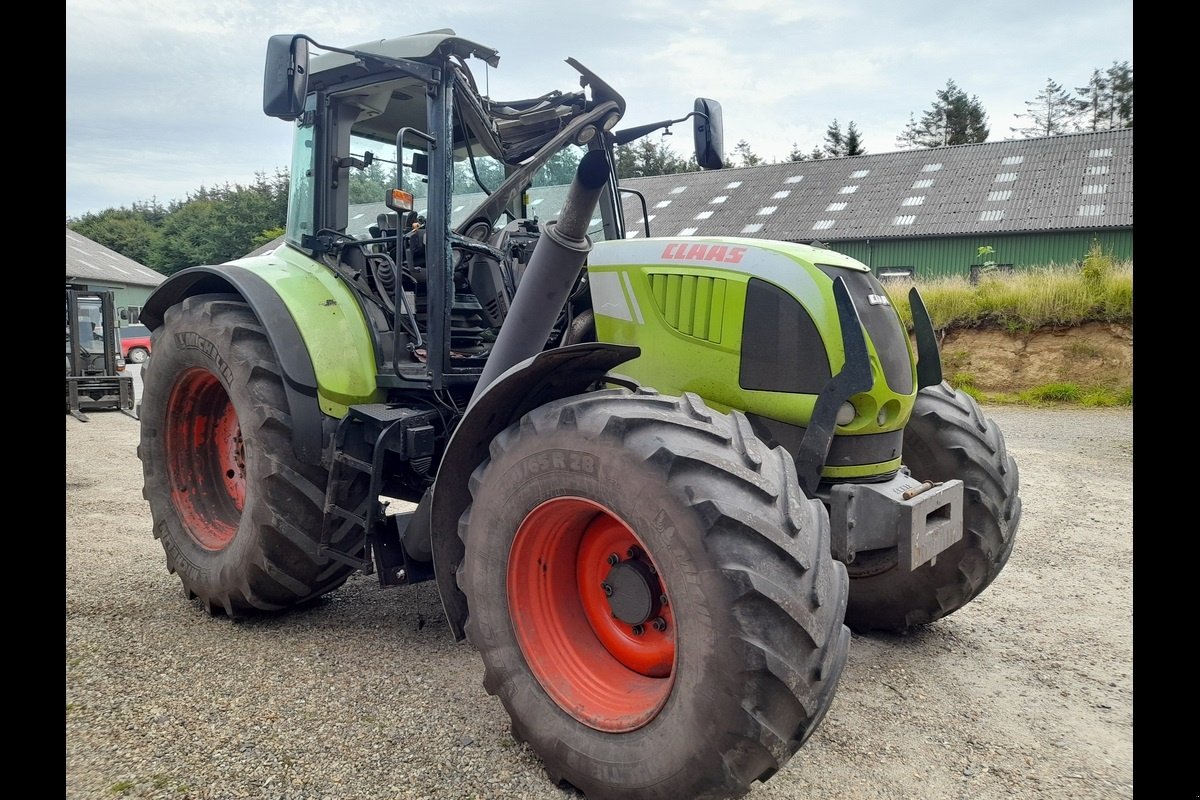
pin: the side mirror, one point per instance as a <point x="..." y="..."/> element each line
<point x="708" y="132"/>
<point x="285" y="79"/>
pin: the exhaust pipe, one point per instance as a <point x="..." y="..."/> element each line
<point x="552" y="271"/>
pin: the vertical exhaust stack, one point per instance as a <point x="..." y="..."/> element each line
<point x="557" y="259"/>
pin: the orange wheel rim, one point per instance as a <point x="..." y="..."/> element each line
<point x="591" y="614"/>
<point x="205" y="459"/>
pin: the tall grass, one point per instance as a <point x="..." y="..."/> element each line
<point x="1098" y="290"/>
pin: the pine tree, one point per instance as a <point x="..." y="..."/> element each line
<point x="1053" y="112"/>
<point x="1120" y="81"/>
<point x="953" y="119"/>
<point x="834" y="145"/>
<point x="796" y="154"/>
<point x="749" y="159"/>
<point x="852" y="143"/>
<point x="1095" y="102"/>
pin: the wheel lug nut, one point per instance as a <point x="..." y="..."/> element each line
<point x="659" y="624"/>
<point x="633" y="552"/>
<point x="608" y="590"/>
<point x="638" y="630"/>
<point x="613" y="559"/>
<point x="662" y="599"/>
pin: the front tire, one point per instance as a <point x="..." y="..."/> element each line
<point x="138" y="355"/>
<point x="947" y="438"/>
<point x="238" y="514"/>
<point x="652" y="595"/>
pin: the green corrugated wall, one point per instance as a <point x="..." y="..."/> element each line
<point x="954" y="255"/>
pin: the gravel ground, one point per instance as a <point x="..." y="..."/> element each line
<point x="1026" y="692"/>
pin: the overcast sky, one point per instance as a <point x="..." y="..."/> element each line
<point x="164" y="97"/>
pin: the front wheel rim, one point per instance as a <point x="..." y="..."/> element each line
<point x="206" y="463"/>
<point x="591" y="614"/>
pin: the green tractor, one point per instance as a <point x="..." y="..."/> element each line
<point x="656" y="480"/>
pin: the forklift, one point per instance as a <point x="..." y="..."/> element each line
<point x="95" y="369"/>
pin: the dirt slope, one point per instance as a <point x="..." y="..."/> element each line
<point x="1092" y="355"/>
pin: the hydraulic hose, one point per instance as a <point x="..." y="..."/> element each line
<point x="553" y="269"/>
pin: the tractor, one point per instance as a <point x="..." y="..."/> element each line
<point x="657" y="481"/>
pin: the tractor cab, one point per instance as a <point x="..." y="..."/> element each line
<point x="427" y="196"/>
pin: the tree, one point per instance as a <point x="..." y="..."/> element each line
<point x="216" y="225"/>
<point x="852" y="143"/>
<point x="743" y="151"/>
<point x="1054" y="111"/>
<point x="1094" y="103"/>
<point x="817" y="153"/>
<point x="1120" y="81"/>
<point x="646" y="157"/>
<point x="834" y="145"/>
<point x="371" y="185"/>
<point x="796" y="154"/>
<point x="954" y="118"/>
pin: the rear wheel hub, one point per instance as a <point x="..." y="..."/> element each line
<point x="634" y="591"/>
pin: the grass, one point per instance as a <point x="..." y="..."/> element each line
<point x="1048" y="395"/>
<point x="1053" y="296"/>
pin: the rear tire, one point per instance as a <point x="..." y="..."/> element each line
<point x="695" y="509"/>
<point x="138" y="355"/>
<point x="238" y="514"/>
<point x="947" y="438"/>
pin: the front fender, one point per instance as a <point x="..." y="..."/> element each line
<point x="548" y="376"/>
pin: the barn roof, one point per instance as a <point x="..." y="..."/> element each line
<point x="1066" y="182"/>
<point x="91" y="261"/>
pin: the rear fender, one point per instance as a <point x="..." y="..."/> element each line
<point x="548" y="376"/>
<point x="315" y="327"/>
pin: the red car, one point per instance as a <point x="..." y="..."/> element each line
<point x="135" y="343"/>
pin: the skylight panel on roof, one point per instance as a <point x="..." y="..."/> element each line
<point x="1091" y="211"/>
<point x="767" y="210"/>
<point x="1005" y="177"/>
<point x="1002" y="194"/>
<point x="795" y="179"/>
<point x="860" y="173"/>
<point x="536" y="202"/>
<point x="836" y="207"/>
<point x="679" y="190"/>
<point x="923" y="184"/>
<point x="992" y="216"/>
<point x="1094" y="188"/>
<point x="931" y="167"/>
<point x="905" y="220"/>
<point x="753" y="227"/>
<point x="721" y="198"/>
<point x="1098" y="169"/>
<point x="733" y="184"/>
<point x="703" y="215"/>
<point x="1105" y="152"/>
<point x="782" y="194"/>
<point x="1013" y="160"/>
<point x="662" y="204"/>
<point x="632" y="234"/>
<point x="822" y="224"/>
<point x="688" y="231"/>
<point x="848" y="190"/>
<point x="916" y="200"/>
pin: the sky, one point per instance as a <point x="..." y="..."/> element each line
<point x="165" y="97"/>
